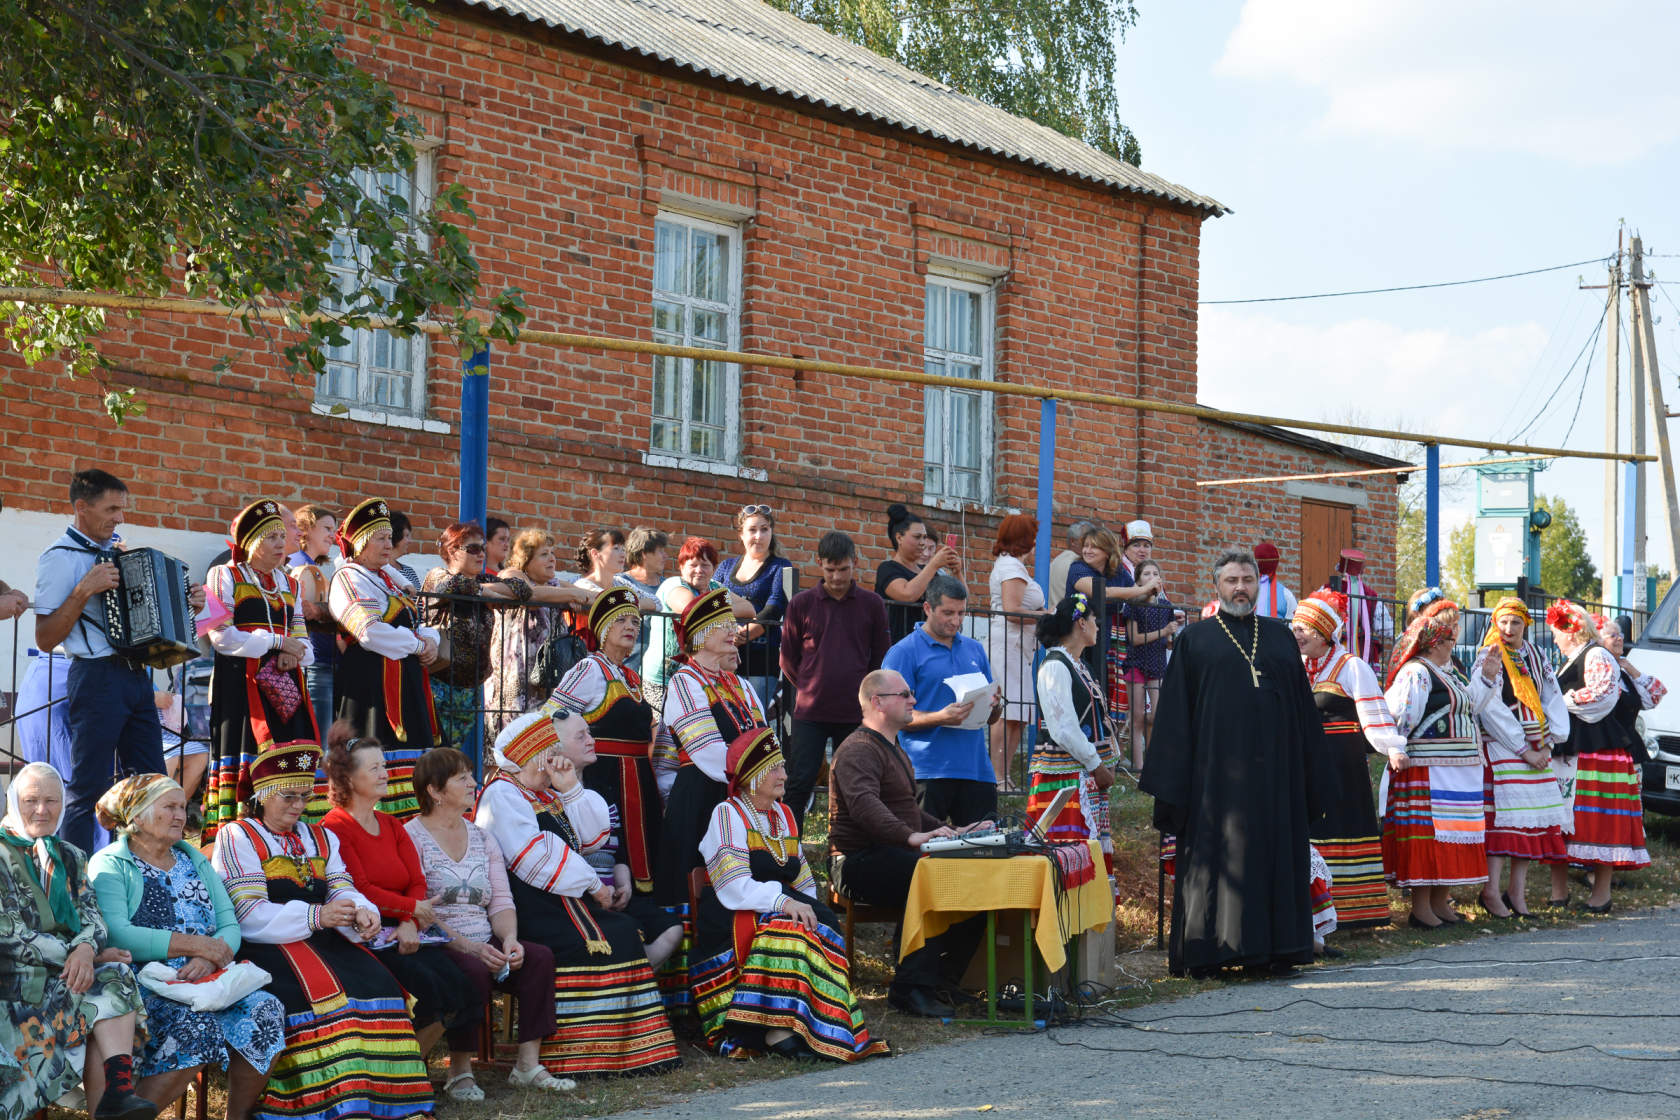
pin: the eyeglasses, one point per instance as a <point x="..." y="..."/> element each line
<point x="905" y="695"/>
<point x="755" y="511"/>
<point x="290" y="797"/>
<point x="474" y="549"/>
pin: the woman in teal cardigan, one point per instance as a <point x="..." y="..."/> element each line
<point x="164" y="902"/>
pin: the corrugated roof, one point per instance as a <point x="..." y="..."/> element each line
<point x="752" y="43"/>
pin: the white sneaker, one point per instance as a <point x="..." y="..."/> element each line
<point x="462" y="1087"/>
<point x="539" y="1078"/>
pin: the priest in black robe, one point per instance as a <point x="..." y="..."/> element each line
<point x="1228" y="768"/>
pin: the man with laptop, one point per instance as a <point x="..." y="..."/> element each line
<point x="876" y="831"/>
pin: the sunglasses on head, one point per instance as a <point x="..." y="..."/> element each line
<point x="755" y="511"/>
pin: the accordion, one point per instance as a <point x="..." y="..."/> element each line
<point x="149" y="617"/>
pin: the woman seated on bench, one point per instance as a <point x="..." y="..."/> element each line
<point x="770" y="972"/>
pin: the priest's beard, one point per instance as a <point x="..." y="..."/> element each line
<point x="1239" y="608"/>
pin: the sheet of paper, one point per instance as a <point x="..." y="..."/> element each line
<point x="976" y="689"/>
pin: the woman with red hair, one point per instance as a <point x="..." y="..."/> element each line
<point x="259" y="700"/>
<point x="1009" y="641"/>
<point x="1356" y="720"/>
<point x="1599" y="778"/>
<point x="1434" y="828"/>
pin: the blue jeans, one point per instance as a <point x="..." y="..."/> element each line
<point x="113" y="723"/>
<point x="319" y="680"/>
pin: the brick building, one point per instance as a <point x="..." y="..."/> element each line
<point x="712" y="172"/>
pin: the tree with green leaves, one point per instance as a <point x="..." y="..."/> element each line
<point x="1566" y="564"/>
<point x="1052" y="61"/>
<point x="221" y="149"/>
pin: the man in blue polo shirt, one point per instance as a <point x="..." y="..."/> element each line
<point x="953" y="766"/>
<point x="109" y="708"/>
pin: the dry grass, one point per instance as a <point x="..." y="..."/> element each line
<point x="1144" y="978"/>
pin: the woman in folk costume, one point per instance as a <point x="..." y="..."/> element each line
<point x="1080" y="751"/>
<point x="350" y="1045"/>
<point x="259" y="699"/>
<point x="609" y="1018"/>
<point x="1434" y="828"/>
<point x="771" y="968"/>
<point x="607" y="692"/>
<point x="1602" y="780"/>
<point x="1525" y="807"/>
<point x="381" y="682"/>
<point x="1356" y="720"/>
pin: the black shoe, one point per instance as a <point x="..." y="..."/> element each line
<point x="1505" y="897"/>
<point x="957" y="998"/>
<point x="1331" y="953"/>
<point x="1481" y="902"/>
<point x="124" y="1106"/>
<point x="1591" y="909"/>
<point x="1413" y="921"/>
<point x="1557" y="903"/>
<point x="921" y="1003"/>
<point x="793" y="1048"/>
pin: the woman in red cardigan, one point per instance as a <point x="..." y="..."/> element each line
<point x="385" y="867"/>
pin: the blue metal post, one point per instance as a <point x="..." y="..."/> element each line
<point x="1432" y="515"/>
<point x="475" y="437"/>
<point x="475" y="485"/>
<point x="1630" y="500"/>
<point x="1046" y="496"/>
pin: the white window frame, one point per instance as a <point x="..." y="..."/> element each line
<point x="363" y="404"/>
<point x="729" y="461"/>
<point x="986" y="361"/>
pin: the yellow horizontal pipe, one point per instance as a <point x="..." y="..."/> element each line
<point x="813" y="365"/>
<point x="1408" y="469"/>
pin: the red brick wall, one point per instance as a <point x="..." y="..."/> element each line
<point x="566" y="151"/>
<point x="1241" y="515"/>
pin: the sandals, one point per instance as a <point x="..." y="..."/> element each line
<point x="539" y="1078"/>
<point x="462" y="1087"/>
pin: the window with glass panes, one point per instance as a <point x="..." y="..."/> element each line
<point x="957" y="442"/>
<point x="696" y="302"/>
<point x="376" y="369"/>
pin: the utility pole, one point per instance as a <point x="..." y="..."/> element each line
<point x="1635" y="502"/>
<point x="1612" y="424"/>
<point x="1644" y="337"/>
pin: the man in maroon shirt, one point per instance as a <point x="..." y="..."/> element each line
<point x="833" y="634"/>
<point x="876" y="830"/>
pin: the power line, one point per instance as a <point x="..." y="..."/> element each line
<point x="1570" y="300"/>
<point x="1582" y="395"/>
<point x="1591" y="342"/>
<point x="1409" y="287"/>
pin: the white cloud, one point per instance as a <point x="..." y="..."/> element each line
<point x="1549" y="78"/>
<point x="1412" y="378"/>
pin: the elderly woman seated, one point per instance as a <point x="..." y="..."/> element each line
<point x="59" y="993"/>
<point x="163" y="902"/>
<point x="770" y="971"/>
<point x="610" y="1016"/>
<point x="350" y="1047"/>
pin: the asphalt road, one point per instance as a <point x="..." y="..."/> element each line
<point x="1429" y="1035"/>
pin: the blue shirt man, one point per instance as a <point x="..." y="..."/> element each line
<point x="953" y="766"/>
<point x="109" y="709"/>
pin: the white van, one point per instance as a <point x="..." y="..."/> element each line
<point x="1658" y="653"/>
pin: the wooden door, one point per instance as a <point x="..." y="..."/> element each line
<point x="1326" y="529"/>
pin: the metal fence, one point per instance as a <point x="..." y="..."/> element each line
<point x="484" y="687"/>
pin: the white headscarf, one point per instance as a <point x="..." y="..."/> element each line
<point x="38" y="770"/>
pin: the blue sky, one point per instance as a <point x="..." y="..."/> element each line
<point x="1366" y="145"/>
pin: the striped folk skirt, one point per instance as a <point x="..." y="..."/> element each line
<point x="1346" y="832"/>
<point x="1434" y="827"/>
<point x="1086" y="813"/>
<point x="1320" y="891"/>
<point x="349" y="1053"/>
<point x="1609" y="816"/>
<point x="792" y="979"/>
<point x="610" y="1022"/>
<point x="1525" y="811"/>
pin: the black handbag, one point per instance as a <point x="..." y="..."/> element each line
<point x="554" y="658"/>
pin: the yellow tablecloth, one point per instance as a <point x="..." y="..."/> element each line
<point x="946" y="890"/>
